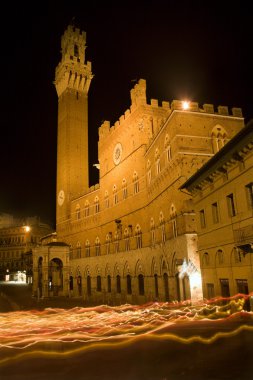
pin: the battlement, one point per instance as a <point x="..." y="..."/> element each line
<point x="138" y="98"/>
<point x="73" y="33"/>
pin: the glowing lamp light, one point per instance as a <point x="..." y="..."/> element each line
<point x="27" y="228"/>
<point x="185" y="105"/>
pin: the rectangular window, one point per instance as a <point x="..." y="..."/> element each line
<point x="215" y="212"/>
<point x="231" y="205"/>
<point x="202" y="218"/>
<point x="249" y="194"/>
<point x="224" y="284"/>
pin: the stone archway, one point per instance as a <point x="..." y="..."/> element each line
<point x="55" y="276"/>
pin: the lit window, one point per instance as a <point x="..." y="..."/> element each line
<point x="215" y="212"/>
<point x="202" y="218"/>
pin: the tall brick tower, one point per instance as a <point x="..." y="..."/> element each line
<point x="72" y="82"/>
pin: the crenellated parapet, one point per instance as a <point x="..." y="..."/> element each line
<point x="138" y="98"/>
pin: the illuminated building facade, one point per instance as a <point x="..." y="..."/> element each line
<point x="132" y="237"/>
<point x="17" y="238"/>
<point x="222" y="192"/>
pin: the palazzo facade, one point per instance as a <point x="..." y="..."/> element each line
<point x="131" y="237"/>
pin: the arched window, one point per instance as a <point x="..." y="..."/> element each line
<point x="87" y="248"/>
<point x="149" y="173"/>
<point x="106" y="199"/>
<point x="78" y="212"/>
<point x="115" y="194"/>
<point x="116" y="242"/>
<point x="86" y="208"/>
<point x="152" y="228"/>
<point x="127" y="239"/>
<point x="220" y="256"/>
<point x="76" y="52"/>
<point x="97" y="246"/>
<point x="99" y="287"/>
<point x="167" y="148"/>
<point x="157" y="161"/>
<point x="108" y="240"/>
<point x="205" y="259"/>
<point x="219" y="138"/>
<point x="78" y="250"/>
<point x="129" y="284"/>
<point x="96" y="203"/>
<point x="138" y="236"/>
<point x="173" y="215"/>
<point x="141" y="284"/>
<point x="118" y="284"/>
<point x="136" y="183"/>
<point x="162" y="226"/>
<point x="124" y="188"/>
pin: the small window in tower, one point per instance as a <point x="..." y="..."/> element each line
<point x="76" y="52"/>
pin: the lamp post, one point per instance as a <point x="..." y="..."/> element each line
<point x="27" y="229"/>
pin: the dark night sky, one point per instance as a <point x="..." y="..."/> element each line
<point x="200" y="52"/>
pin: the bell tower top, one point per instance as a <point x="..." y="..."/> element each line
<point x="73" y="44"/>
<point x="72" y="72"/>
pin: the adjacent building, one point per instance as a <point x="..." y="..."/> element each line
<point x="222" y="193"/>
<point x="131" y="237"/>
<point x="17" y="238"/>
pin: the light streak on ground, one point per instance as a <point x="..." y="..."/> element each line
<point x="62" y="332"/>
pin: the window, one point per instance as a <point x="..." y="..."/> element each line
<point x="162" y="226"/>
<point x="129" y="284"/>
<point x="249" y="194"/>
<point x="141" y="284"/>
<point x="99" y="287"/>
<point x="152" y="226"/>
<point x="205" y="259"/>
<point x="116" y="242"/>
<point x="87" y="248"/>
<point x="86" y="209"/>
<point x="238" y="255"/>
<point x="224" y="284"/>
<point x="78" y="212"/>
<point x="78" y="250"/>
<point x="127" y="239"/>
<point x="106" y="200"/>
<point x="115" y="195"/>
<point x="108" y="240"/>
<point x="118" y="284"/>
<point x="136" y="183"/>
<point x="231" y="205"/>
<point x="96" y="201"/>
<point x="76" y="54"/>
<point x="138" y="236"/>
<point x="202" y="218"/>
<point x="124" y="188"/>
<point x="220" y="256"/>
<point x="173" y="215"/>
<point x="97" y="246"/>
<point x="157" y="160"/>
<point x="215" y="212"/>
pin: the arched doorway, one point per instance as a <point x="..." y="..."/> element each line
<point x="166" y="286"/>
<point x="55" y="276"/>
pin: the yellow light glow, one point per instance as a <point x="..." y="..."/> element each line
<point x="27" y="228"/>
<point x="185" y="105"/>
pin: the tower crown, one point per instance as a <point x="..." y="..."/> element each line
<point x="72" y="72"/>
<point x="73" y="44"/>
